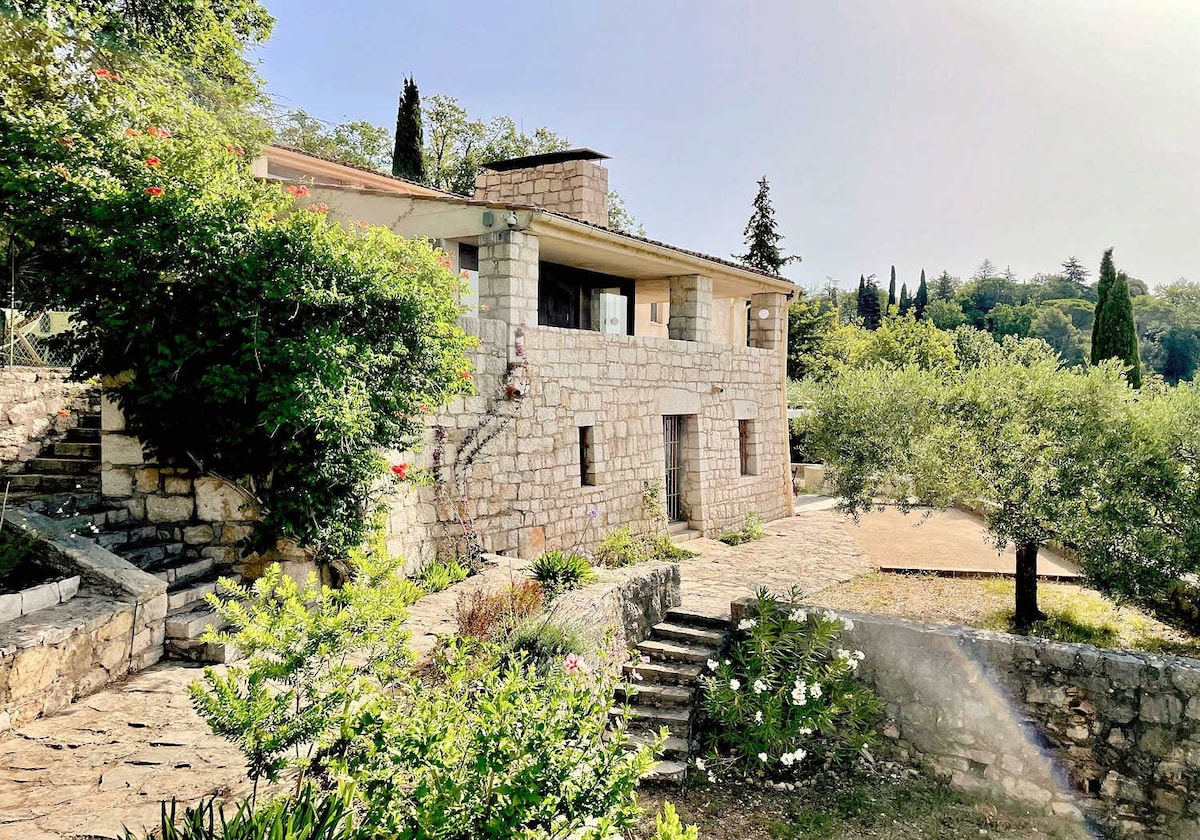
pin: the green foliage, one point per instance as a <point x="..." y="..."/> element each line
<point x="408" y="159"/>
<point x="483" y="615"/>
<point x="500" y="752"/>
<point x="619" y="217"/>
<point x="902" y="341"/>
<point x="15" y="550"/>
<point x="542" y="644"/>
<point x="870" y="312"/>
<point x="668" y="827"/>
<point x="812" y="347"/>
<point x="307" y="815"/>
<point x="559" y="571"/>
<point x="441" y="574"/>
<point x="624" y="548"/>
<point x="762" y="235"/>
<point x="1114" y="335"/>
<point x="921" y="298"/>
<point x="751" y="530"/>
<point x="355" y="143"/>
<point x="945" y="314"/>
<point x="311" y="654"/>
<point x="785" y="700"/>
<point x="1053" y="327"/>
<point x="240" y="336"/>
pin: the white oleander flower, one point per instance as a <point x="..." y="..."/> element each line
<point x="799" y="616"/>
<point x="712" y="664"/>
<point x="804" y="730"/>
<point x="759" y="686"/>
<point x="758" y="717"/>
<point x="747" y="624"/>
<point x="815" y="691"/>
<point x="763" y="757"/>
<point x="734" y="685"/>
<point x="847" y="624"/>
<point x="859" y="655"/>
<point x="700" y="764"/>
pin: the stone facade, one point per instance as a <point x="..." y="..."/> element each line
<point x="112" y="628"/>
<point x="30" y="402"/>
<point x="1055" y="725"/>
<point x="576" y="188"/>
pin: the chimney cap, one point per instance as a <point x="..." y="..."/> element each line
<point x="530" y="161"/>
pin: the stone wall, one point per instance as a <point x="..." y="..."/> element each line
<point x="524" y="491"/>
<point x="576" y="188"/>
<point x="112" y="628"/>
<point x="30" y="402"/>
<point x="1050" y="724"/>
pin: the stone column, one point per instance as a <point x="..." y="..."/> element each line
<point x="508" y="277"/>
<point x="769" y="333"/>
<point x="691" y="308"/>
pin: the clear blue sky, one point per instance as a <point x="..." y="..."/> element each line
<point x="920" y="133"/>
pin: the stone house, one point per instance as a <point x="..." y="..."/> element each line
<point x="615" y="375"/>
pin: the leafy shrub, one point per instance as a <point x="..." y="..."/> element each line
<point x="559" y="571"/>
<point x="624" y="548"/>
<point x="785" y="698"/>
<point x="751" y="530"/>
<point x="308" y="815"/>
<point x="541" y="643"/>
<point x="668" y="827"/>
<point x="513" y="752"/>
<point x="483" y="615"/>
<point x="441" y="575"/>
<point x="15" y="550"/>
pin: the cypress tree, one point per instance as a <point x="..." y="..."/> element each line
<point x="922" y="298"/>
<point x="1108" y="276"/>
<point x="868" y="304"/>
<point x="905" y="300"/>
<point x="862" y="296"/>
<point x="762" y="236"/>
<point x="892" y="290"/>
<point x="1114" y="335"/>
<point x="408" y="160"/>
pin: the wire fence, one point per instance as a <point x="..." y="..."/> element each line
<point x="30" y="338"/>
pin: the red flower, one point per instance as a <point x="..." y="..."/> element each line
<point x="153" y="161"/>
<point x="298" y="190"/>
<point x="235" y="150"/>
<point x="108" y="74"/>
<point x="160" y="133"/>
<point x="154" y="190"/>
<point x="401" y="470"/>
<point x="466" y="374"/>
<point x="132" y="132"/>
<point x="444" y="260"/>
<point x="319" y="208"/>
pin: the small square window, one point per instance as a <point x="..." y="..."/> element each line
<point x="587" y="455"/>
<point x="747" y="447"/>
<point x="658" y="313"/>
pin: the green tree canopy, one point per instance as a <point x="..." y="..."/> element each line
<point x="408" y="159"/>
<point x="1114" y="334"/>
<point x="763" y="236"/>
<point x="356" y="143"/>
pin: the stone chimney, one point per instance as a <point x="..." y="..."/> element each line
<point x="573" y="183"/>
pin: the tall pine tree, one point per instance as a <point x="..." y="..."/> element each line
<point x="407" y="158"/>
<point x="921" y="300"/>
<point x="762" y="236"/>
<point x="892" y="290"/>
<point x="868" y="303"/>
<point x="1076" y="274"/>
<point x="1114" y="335"/>
<point x="905" y="300"/>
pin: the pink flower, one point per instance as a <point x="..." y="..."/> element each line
<point x="400" y="470"/>
<point x="318" y="208"/>
<point x="572" y="664"/>
<point x="153" y="161"/>
<point x="298" y="190"/>
<point x="154" y="190"/>
<point x="160" y="133"/>
<point x="111" y="75"/>
<point x="444" y="261"/>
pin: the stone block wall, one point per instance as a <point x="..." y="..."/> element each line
<point x="114" y="627"/>
<point x="30" y="402"/>
<point x="1050" y="724"/>
<point x="576" y="188"/>
<point x="525" y="492"/>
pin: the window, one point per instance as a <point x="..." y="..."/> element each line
<point x="657" y="310"/>
<point x="587" y="456"/>
<point x="747" y="447"/>
<point x="468" y="257"/>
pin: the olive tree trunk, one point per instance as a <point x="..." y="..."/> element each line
<point x="1026" y="584"/>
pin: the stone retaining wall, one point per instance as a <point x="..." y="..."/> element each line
<point x="30" y="402"/>
<point x="1050" y="724"/>
<point x="112" y="628"/>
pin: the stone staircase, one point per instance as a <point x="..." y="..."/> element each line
<point x="681" y="532"/>
<point x="668" y="691"/>
<point x="63" y="482"/>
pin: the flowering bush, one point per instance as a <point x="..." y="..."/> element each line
<point x="785" y="698"/>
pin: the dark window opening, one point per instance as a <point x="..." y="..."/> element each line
<point x="577" y="299"/>
<point x="587" y="455"/>
<point x="468" y="257"/>
<point x="746" y="447"/>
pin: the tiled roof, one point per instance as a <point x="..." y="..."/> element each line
<point x="358" y="168"/>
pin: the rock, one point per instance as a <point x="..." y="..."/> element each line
<point x="121" y="450"/>
<point x="218" y="500"/>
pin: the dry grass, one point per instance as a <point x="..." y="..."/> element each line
<point x="1076" y="614"/>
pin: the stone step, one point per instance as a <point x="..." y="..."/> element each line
<point x="678" y="615"/>
<point x="88" y="420"/>
<point x="676" y="651"/>
<point x="186" y="595"/>
<point x="666" y="773"/>
<point x="685" y="536"/>
<point x="673" y="747"/>
<point x="676" y="720"/>
<point x="47" y="484"/>
<point x="692" y="635"/>
<point x="83" y="435"/>
<point x="76" y="449"/>
<point x="183" y="571"/>
<point x="131" y="535"/>
<point x="197" y="651"/>
<point x="60" y="465"/>
<point x="190" y="624"/>
<point x="665" y="673"/>
<point x="54" y="505"/>
<point x="651" y="694"/>
<point x="154" y="553"/>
